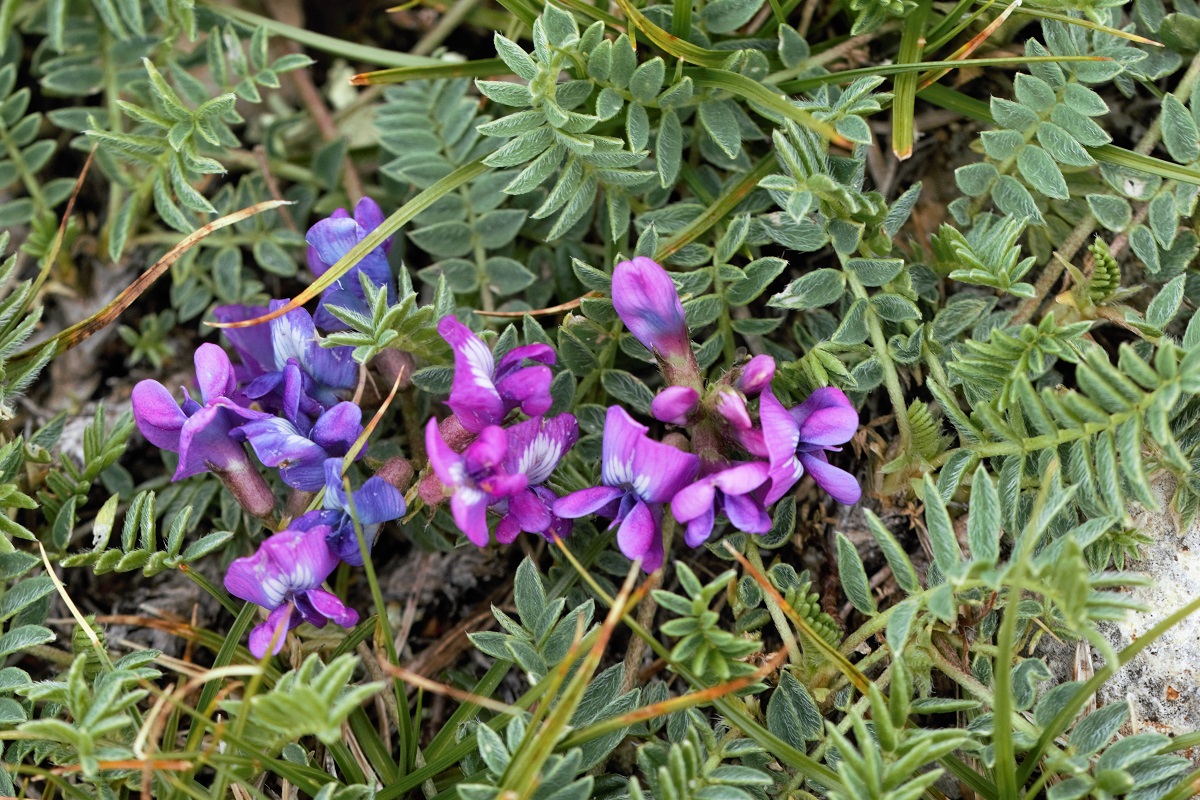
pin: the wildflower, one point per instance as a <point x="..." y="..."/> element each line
<point x="797" y="440"/>
<point x="639" y="475"/>
<point x="300" y="450"/>
<point x="329" y="241"/>
<point x="728" y="488"/>
<point x="374" y="503"/>
<point x="200" y="432"/>
<point x="476" y="477"/>
<point x="288" y="349"/>
<point x="646" y="300"/>
<point x="285" y="577"/>
<point x="535" y="447"/>
<point x="483" y="392"/>
<point x="755" y="375"/>
<point x="675" y="404"/>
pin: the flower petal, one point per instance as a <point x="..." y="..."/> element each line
<point x="158" y="415"/>
<point x="377" y="501"/>
<point x="661" y="470"/>
<point x="825" y="397"/>
<point x="469" y="507"/>
<point x="746" y="514"/>
<point x="330" y="607"/>
<point x="447" y="464"/>
<point x="214" y="372"/>
<point x="646" y="300"/>
<point x="587" y="501"/>
<point x="473" y="396"/>
<point x="640" y="536"/>
<point x="511" y="361"/>
<point x="253" y="344"/>
<point x="826" y="427"/>
<point x="537" y="445"/>
<point x="741" y="478"/>
<point x="781" y="435"/>
<point x="527" y="389"/>
<point x="621" y="436"/>
<point x="277" y="625"/>
<point x="337" y="429"/>
<point x="674" y="403"/>
<point x="756" y="375"/>
<point x="529" y="511"/>
<point x="693" y="501"/>
<point x="732" y="407"/>
<point x="205" y="442"/>
<point x="839" y="484"/>
<point x="330" y="240"/>
<point x="699" y="529"/>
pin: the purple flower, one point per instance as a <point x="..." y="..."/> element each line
<point x="647" y="302"/>
<point x="285" y="577"/>
<point x="534" y="450"/>
<point x="796" y="440"/>
<point x="476" y="477"/>
<point x="756" y="375"/>
<point x="200" y="433"/>
<point x="375" y="503"/>
<point x="300" y="451"/>
<point x="732" y="407"/>
<point x="727" y="488"/>
<point x="639" y="476"/>
<point x="289" y="344"/>
<point x="674" y="404"/>
<point x="483" y="392"/>
<point x="329" y="241"/>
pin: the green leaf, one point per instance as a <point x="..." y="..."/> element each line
<point x="818" y="288"/>
<point x="1179" y="131"/>
<point x="720" y="122"/>
<point x="943" y="542"/>
<point x="875" y="271"/>
<point x="1114" y="213"/>
<point x="1166" y="303"/>
<point x="1062" y="146"/>
<point x="628" y="389"/>
<point x="726" y="16"/>
<point x="983" y="521"/>
<point x="792" y="714"/>
<point x="854" y="577"/>
<point x="759" y="274"/>
<point x="1038" y="168"/>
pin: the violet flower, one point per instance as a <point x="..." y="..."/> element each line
<point x="329" y="241"/>
<point x="797" y="440"/>
<point x="639" y="475"/>
<point x="728" y="488"/>
<point x="675" y="404"/>
<point x="535" y="447"/>
<point x="288" y="344"/>
<point x="484" y="393"/>
<point x="299" y="450"/>
<point x="756" y="374"/>
<point x="375" y="502"/>
<point x="201" y="433"/>
<point x="285" y="577"/>
<point x="646" y="300"/>
<point x="476" y="477"/>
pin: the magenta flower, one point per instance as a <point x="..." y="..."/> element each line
<point x="201" y="433"/>
<point x="284" y="576"/>
<point x="300" y="450"/>
<point x="756" y="374"/>
<point x="288" y="344"/>
<point x="647" y="302"/>
<point x="797" y="440"/>
<point x="675" y="404"/>
<point x="375" y="503"/>
<point x="484" y="393"/>
<point x="727" y="488"/>
<point x="535" y="447"/>
<point x="476" y="478"/>
<point x="329" y="241"/>
<point x="639" y="475"/>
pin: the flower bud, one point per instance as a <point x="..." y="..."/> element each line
<point x="674" y="403"/>
<point x="646" y="300"/>
<point x="756" y="374"/>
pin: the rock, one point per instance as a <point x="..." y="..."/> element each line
<point x="1163" y="683"/>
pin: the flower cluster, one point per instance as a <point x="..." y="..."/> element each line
<point x="478" y="462"/>
<point x="286" y="400"/>
<point x="737" y="466"/>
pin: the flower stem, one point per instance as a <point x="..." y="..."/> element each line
<point x="777" y="616"/>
